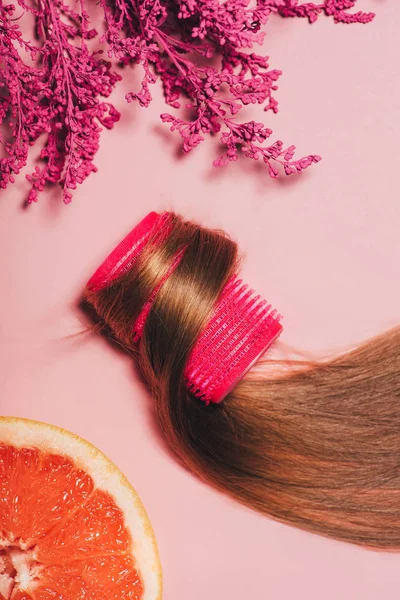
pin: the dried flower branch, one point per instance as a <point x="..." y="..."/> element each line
<point x="54" y="91"/>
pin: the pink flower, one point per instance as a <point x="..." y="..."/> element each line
<point x="200" y="50"/>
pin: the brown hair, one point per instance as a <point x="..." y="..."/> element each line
<point x="317" y="446"/>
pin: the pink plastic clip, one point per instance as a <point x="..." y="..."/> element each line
<point x="243" y="325"/>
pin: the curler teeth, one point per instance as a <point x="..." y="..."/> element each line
<point x="123" y="257"/>
<point x="241" y="329"/>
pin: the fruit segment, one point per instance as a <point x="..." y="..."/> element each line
<point x="37" y="492"/>
<point x="96" y="529"/>
<point x="110" y="578"/>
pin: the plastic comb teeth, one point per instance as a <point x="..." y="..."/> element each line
<point x="241" y="329"/>
<point x="124" y="256"/>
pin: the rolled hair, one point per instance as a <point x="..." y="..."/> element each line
<point x="315" y="446"/>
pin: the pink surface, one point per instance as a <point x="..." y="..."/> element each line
<point x="323" y="248"/>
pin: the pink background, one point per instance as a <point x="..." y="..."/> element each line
<point x="324" y="248"/>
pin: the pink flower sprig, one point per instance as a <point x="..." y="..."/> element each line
<point x="53" y="90"/>
<point x="58" y="97"/>
<point x="331" y="8"/>
<point x="20" y="87"/>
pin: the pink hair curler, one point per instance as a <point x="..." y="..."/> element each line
<point x="242" y="327"/>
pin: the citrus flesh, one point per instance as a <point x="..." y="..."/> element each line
<point x="71" y="525"/>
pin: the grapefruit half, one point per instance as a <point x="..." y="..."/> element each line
<point x="71" y="525"/>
